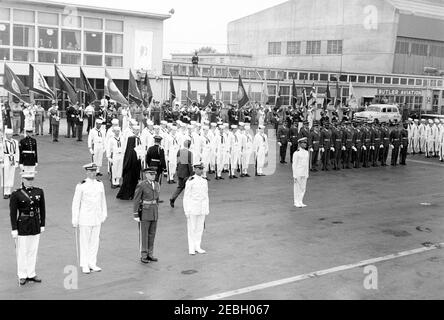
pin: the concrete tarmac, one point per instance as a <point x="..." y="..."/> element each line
<point x="253" y="235"/>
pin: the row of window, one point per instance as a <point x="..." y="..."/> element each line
<point x="419" y="49"/>
<point x="312" y="47"/>
<point x="24" y="36"/>
<point x="65" y="58"/>
<point x="71" y="20"/>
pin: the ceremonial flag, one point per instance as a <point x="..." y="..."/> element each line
<point x="220" y="90"/>
<point x="39" y="84"/>
<point x="304" y="101"/>
<point x="209" y="96"/>
<point x="327" y="98"/>
<point x="172" y="91"/>
<point x="242" y="97"/>
<point x="278" y="103"/>
<point x="112" y="91"/>
<point x="313" y="96"/>
<point x="249" y="89"/>
<point x="147" y="93"/>
<point x="338" y="95"/>
<point x="265" y="92"/>
<point x="14" y="85"/>
<point x="86" y="87"/>
<point x="133" y="90"/>
<point x="294" y="95"/>
<point x="64" y="84"/>
<point x="189" y="101"/>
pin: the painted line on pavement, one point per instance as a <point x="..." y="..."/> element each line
<point x="425" y="162"/>
<point x="319" y="273"/>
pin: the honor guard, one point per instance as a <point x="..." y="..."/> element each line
<point x="96" y="144"/>
<point x="376" y="146"/>
<point x="337" y="143"/>
<point x="89" y="211"/>
<point x="326" y="145"/>
<point x="28" y="214"/>
<point x="28" y="152"/>
<point x="283" y="136"/>
<point x="146" y="206"/>
<point x="404" y="136"/>
<point x="395" y="143"/>
<point x="235" y="151"/>
<point x="314" y="142"/>
<point x="357" y="145"/>
<point x="348" y="144"/>
<point x="11" y="158"/>
<point x="247" y="150"/>
<point x="385" y="141"/>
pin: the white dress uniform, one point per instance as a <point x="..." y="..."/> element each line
<point x="205" y="152"/>
<point x="29" y="114"/>
<point x="171" y="155"/>
<point x="11" y="157"/>
<point x="147" y="138"/>
<point x="221" y="146"/>
<point x="435" y="131"/>
<point x="211" y="136"/>
<point x="422" y="137"/>
<point x="235" y="151"/>
<point x="126" y="116"/>
<point x="227" y="156"/>
<point x="247" y="150"/>
<point x="430" y="138"/>
<point x="410" y="129"/>
<point x="415" y="137"/>
<point x="300" y="173"/>
<point x="441" y="141"/>
<point x="89" y="211"/>
<point x="196" y="205"/>
<point x="195" y="147"/>
<point x="96" y="142"/>
<point x="260" y="147"/>
<point x="115" y="152"/>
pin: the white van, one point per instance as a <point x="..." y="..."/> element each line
<point x="387" y="113"/>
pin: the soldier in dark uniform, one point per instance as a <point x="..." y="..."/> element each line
<point x="385" y="140"/>
<point x="357" y="145"/>
<point x="233" y="116"/>
<point x="168" y="116"/>
<point x="325" y="145"/>
<point x="314" y="141"/>
<point x="366" y="138"/>
<point x="247" y="115"/>
<point x="375" y="143"/>
<point x="146" y="210"/>
<point x="28" y="152"/>
<point x="293" y="139"/>
<point x="28" y="214"/>
<point x="348" y="143"/>
<point x="70" y="120"/>
<point x="337" y="138"/>
<point x="395" y="142"/>
<point x="155" y="157"/>
<point x="283" y="136"/>
<point x="404" y="143"/>
<point x="80" y="114"/>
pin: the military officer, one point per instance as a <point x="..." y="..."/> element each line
<point x="146" y="210"/>
<point x="385" y="141"/>
<point x="405" y="139"/>
<point x="375" y="143"/>
<point x="283" y="136"/>
<point x="247" y="150"/>
<point x="28" y="215"/>
<point x="28" y="151"/>
<point x="348" y="144"/>
<point x="54" y="121"/>
<point x="430" y="139"/>
<point x="441" y="141"/>
<point x="395" y="143"/>
<point x="196" y="205"/>
<point x="337" y="138"/>
<point x="300" y="172"/>
<point x="11" y="161"/>
<point x="171" y="156"/>
<point x="357" y="144"/>
<point x="260" y="147"/>
<point x="235" y="151"/>
<point x="366" y="141"/>
<point x="89" y="211"/>
<point x="314" y="142"/>
<point x="155" y="157"/>
<point x="206" y="150"/>
<point x="115" y="155"/>
<point x="96" y="144"/>
<point x="325" y="145"/>
<point x="294" y="132"/>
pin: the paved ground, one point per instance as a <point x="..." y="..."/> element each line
<point x="253" y="235"/>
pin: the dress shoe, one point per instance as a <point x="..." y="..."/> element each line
<point x="161" y="201"/>
<point x="6" y="196"/>
<point x="298" y="205"/>
<point x="86" y="270"/>
<point x="150" y="258"/>
<point x="22" y="281"/>
<point x="231" y="177"/>
<point x="303" y="205"/>
<point x="144" y="260"/>
<point x="172" y="203"/>
<point x="201" y="251"/>
<point x="173" y="181"/>
<point x="35" y="279"/>
<point x="170" y="182"/>
<point x="247" y="175"/>
<point x="220" y="178"/>
<point x="242" y="175"/>
<point x="217" y="178"/>
<point x="235" y="177"/>
<point x="285" y="162"/>
<point x="95" y="269"/>
<point x="192" y="253"/>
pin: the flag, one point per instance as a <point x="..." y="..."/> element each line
<point x="14" y="85"/>
<point x="64" y="84"/>
<point x="294" y="95"/>
<point x="327" y="98"/>
<point x="264" y="94"/>
<point x="338" y="95"/>
<point x="278" y="103"/>
<point x="112" y="91"/>
<point x="304" y="101"/>
<point x="172" y="91"/>
<point x="313" y="97"/>
<point x="352" y="102"/>
<point x="242" y="97"/>
<point x="133" y="90"/>
<point x="147" y="93"/>
<point x="189" y="101"/>
<point x="249" y="89"/>
<point x="86" y="87"/>
<point x="209" y="96"/>
<point x="220" y="90"/>
<point x="39" y="84"/>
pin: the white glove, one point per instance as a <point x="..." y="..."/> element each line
<point x="402" y="146"/>
<point x="75" y="225"/>
<point x="381" y="146"/>
<point x="364" y="148"/>
<point x="137" y="219"/>
<point x="91" y="151"/>
<point x="372" y="148"/>
<point x="42" y="229"/>
<point x="289" y="143"/>
<point x="14" y="233"/>
<point x="392" y="146"/>
<point x="280" y="144"/>
<point x="21" y="166"/>
<point x="311" y="149"/>
<point x="354" y="149"/>
<point x="36" y="164"/>
<point x="110" y="160"/>
<point x="332" y="149"/>
<point x="344" y="148"/>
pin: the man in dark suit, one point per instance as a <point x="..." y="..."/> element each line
<point x="155" y="157"/>
<point x="146" y="212"/>
<point x="71" y="115"/>
<point x="184" y="169"/>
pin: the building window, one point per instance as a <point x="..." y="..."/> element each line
<point x="293" y="47"/>
<point x="313" y="47"/>
<point x="70" y="58"/>
<point x="48" y="38"/>
<point x="92" y="60"/>
<point x="4" y="54"/>
<point x="93" y="23"/>
<point x="24" y="16"/>
<point x="378" y="80"/>
<point x="23" y="36"/>
<point x="387" y="80"/>
<point x="411" y="82"/>
<point x="23" y="55"/>
<point x="418" y="82"/>
<point x="437" y="51"/>
<point x="303" y="76"/>
<point x="323" y="77"/>
<point x="343" y="77"/>
<point x="48" y="57"/>
<point x="48" y="18"/>
<point x="70" y="40"/>
<point x="395" y="80"/>
<point x="71" y="21"/>
<point x="403" y="80"/>
<point x="93" y="41"/>
<point x="314" y="76"/>
<point x="352" y="78"/>
<point x="4" y="14"/>
<point x="402" y="47"/>
<point x="285" y="95"/>
<point x="114" y="25"/>
<point x="4" y="34"/>
<point x="334" y="47"/>
<point x="419" y="49"/>
<point x="113" y="43"/>
<point x="113" y="61"/>
<point x="361" y="79"/>
<point x="274" y="48"/>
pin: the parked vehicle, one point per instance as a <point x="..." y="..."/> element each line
<point x="387" y="113"/>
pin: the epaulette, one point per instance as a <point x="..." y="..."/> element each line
<point x="191" y="178"/>
<point x="99" y="180"/>
<point x="83" y="182"/>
